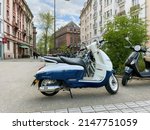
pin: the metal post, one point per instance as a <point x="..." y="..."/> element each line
<point x="54" y="24"/>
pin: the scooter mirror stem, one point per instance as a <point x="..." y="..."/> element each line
<point x="127" y="39"/>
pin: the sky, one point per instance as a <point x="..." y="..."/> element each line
<point x="66" y="11"/>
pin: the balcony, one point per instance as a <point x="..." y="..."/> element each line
<point x="95" y="25"/>
<point x="121" y="2"/>
<point x="15" y="25"/>
<point x="135" y="8"/>
<point x="95" y="5"/>
<point x="30" y="37"/>
<point x="95" y="15"/>
<point x="24" y="32"/>
<point x="121" y="13"/>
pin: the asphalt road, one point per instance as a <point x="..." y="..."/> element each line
<point x="16" y="94"/>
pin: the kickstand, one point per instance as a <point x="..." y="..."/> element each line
<point x="70" y="93"/>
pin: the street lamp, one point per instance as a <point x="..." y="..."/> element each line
<point x="55" y="22"/>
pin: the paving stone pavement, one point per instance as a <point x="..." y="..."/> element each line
<point x="127" y="107"/>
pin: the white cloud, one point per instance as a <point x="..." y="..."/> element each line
<point x="64" y="8"/>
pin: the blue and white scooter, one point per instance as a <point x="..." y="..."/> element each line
<point x="71" y="74"/>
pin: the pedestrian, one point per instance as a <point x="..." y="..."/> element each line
<point x="34" y="54"/>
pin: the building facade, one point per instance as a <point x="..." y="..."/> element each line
<point x="1" y="29"/>
<point x="96" y="13"/>
<point x="87" y="21"/>
<point x="18" y="29"/>
<point x="69" y="35"/>
<point x="148" y="18"/>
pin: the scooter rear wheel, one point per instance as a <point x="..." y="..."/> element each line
<point x="46" y="82"/>
<point x="113" y="85"/>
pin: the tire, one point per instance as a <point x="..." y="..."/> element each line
<point x="125" y="79"/>
<point x="113" y="86"/>
<point x="41" y="83"/>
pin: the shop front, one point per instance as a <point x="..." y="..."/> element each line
<point x="23" y="51"/>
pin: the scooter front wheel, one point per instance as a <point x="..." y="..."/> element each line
<point x="113" y="85"/>
<point x="48" y="84"/>
<point x="125" y="79"/>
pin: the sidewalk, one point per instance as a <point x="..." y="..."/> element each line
<point x="127" y="107"/>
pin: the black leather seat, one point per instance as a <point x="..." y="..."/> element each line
<point x="73" y="61"/>
<point x="54" y="58"/>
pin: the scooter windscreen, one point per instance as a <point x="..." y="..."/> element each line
<point x="132" y="56"/>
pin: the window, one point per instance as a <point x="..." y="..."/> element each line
<point x="95" y="32"/>
<point x="107" y="2"/>
<point x="8" y="2"/>
<point x="7" y="15"/>
<point x="135" y="2"/>
<point x="8" y="45"/>
<point x="100" y="2"/>
<point x="0" y="8"/>
<point x="108" y="14"/>
<point x="8" y="30"/>
<point x="0" y="27"/>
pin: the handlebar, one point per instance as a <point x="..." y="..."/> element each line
<point x="144" y="50"/>
<point x="141" y="49"/>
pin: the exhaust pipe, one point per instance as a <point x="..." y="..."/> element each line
<point x="49" y="88"/>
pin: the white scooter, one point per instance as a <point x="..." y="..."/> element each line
<point x="71" y="74"/>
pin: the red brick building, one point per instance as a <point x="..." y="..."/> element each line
<point x="69" y="35"/>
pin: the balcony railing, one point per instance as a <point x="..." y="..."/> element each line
<point x="135" y="8"/>
<point x="121" y="13"/>
<point x="121" y="2"/>
<point x="24" y="32"/>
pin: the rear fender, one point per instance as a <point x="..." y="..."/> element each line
<point x="61" y="72"/>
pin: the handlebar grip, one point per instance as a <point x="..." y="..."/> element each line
<point x="101" y="41"/>
<point x="143" y="50"/>
<point x="82" y="49"/>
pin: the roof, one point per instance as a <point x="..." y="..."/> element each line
<point x="70" y="24"/>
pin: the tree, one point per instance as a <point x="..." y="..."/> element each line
<point x="64" y="49"/>
<point x="46" y="24"/>
<point x="117" y="30"/>
<point x="40" y="46"/>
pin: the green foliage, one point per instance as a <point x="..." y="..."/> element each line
<point x="41" y="44"/>
<point x="117" y="31"/>
<point x="46" y="24"/>
<point x="64" y="49"/>
<point x="141" y="64"/>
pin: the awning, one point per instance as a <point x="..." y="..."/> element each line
<point x="24" y="46"/>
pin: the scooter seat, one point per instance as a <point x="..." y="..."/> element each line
<point x="57" y="59"/>
<point x="73" y="61"/>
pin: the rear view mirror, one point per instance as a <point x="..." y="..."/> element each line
<point x="127" y="38"/>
